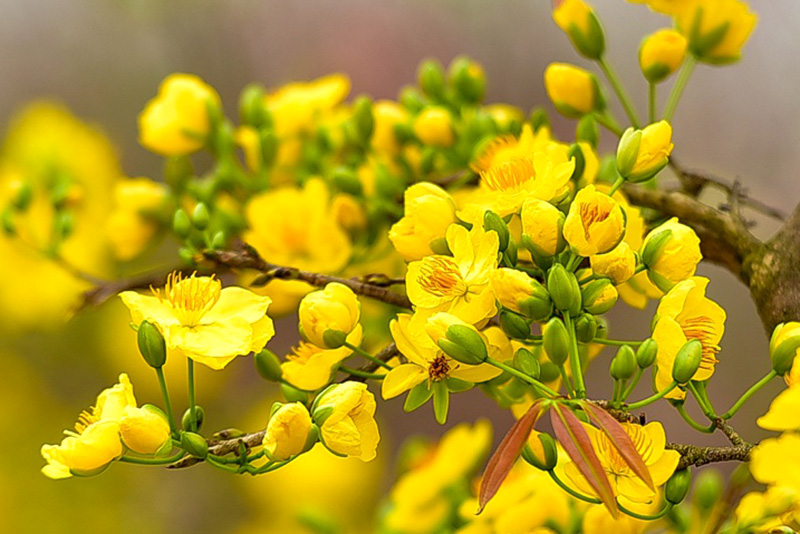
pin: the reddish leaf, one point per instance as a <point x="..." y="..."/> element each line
<point x="507" y="452"/>
<point x="576" y="443"/>
<point x="621" y="441"/>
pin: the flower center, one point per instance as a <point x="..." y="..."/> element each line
<point x="438" y="368"/>
<point x="592" y="214"/>
<point x="440" y="276"/>
<point x="190" y="298"/>
<point x="616" y="464"/>
<point x="704" y="330"/>
<point x="85" y="419"/>
<point x="509" y="176"/>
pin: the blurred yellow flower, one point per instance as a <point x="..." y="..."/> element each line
<point x="429" y="211"/>
<point x="176" y="121"/>
<point x="134" y="221"/>
<point x="595" y="223"/>
<point x="287" y="432"/>
<point x="508" y="147"/>
<point x="573" y="90"/>
<point x="350" y="429"/>
<point x="310" y="367"/>
<point x="776" y="461"/>
<point x="295" y="107"/>
<point x="716" y="29"/>
<point x="387" y="115"/>
<point x="767" y="511"/>
<point x="334" y="309"/>
<point x="542" y="224"/>
<point x="434" y="126"/>
<point x="784" y="412"/>
<point x="661" y="54"/>
<point x="684" y="314"/>
<point x="144" y="430"/>
<point x="202" y="321"/>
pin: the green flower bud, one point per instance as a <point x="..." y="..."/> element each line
<point x="708" y="489"/>
<point x="200" y="216"/>
<point x="431" y="79"/>
<point x="252" y="110"/>
<point x="547" y="457"/>
<point x="346" y="179"/>
<point x="687" y="361"/>
<point x="151" y="344"/>
<point x="783" y="346"/>
<point x="492" y="221"/>
<point x="549" y="372"/>
<point x="186" y="255"/>
<point x="218" y="241"/>
<point x="576" y="153"/>
<point x="678" y="486"/>
<point x="646" y="353"/>
<point x="514" y="325"/>
<point x="525" y="361"/>
<point x="556" y="341"/>
<point x="539" y="119"/>
<point x="624" y="364"/>
<point x="24" y="194"/>
<point x="199" y="417"/>
<point x="334" y="339"/>
<point x="585" y="327"/>
<point x="583" y="28"/>
<point x="292" y="394"/>
<point x="464" y="344"/>
<point x="364" y="120"/>
<point x="177" y="171"/>
<point x="181" y="223"/>
<point x="564" y="289"/>
<point x="510" y="254"/>
<point x="412" y="99"/>
<point x="468" y="80"/>
<point x="268" y="365"/>
<point x="627" y="150"/>
<point x="599" y="296"/>
<point x="194" y="444"/>
<point x="588" y="131"/>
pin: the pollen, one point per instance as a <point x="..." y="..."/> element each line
<point x="440" y="276"/>
<point x="438" y="368"/>
<point x="704" y="330"/>
<point x="509" y="176"/>
<point x="191" y="298"/>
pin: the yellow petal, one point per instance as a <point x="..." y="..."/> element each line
<point x="402" y="378"/>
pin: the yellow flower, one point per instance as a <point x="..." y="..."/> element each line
<point x="684" y="314"/>
<point x="310" y="367"/>
<point x="133" y="223"/>
<point x="350" y="429"/>
<point x="387" y="115"/>
<point x="650" y="441"/>
<point x="595" y="223"/>
<point x="96" y="441"/>
<point x="573" y="90"/>
<point x="429" y="211"/>
<point x="572" y="12"/>
<point x="661" y="54"/>
<point x="665" y="7"/>
<point x="776" y="462"/>
<point x="295" y="107"/>
<point x="176" y="121"/>
<point x="202" y="321"/>
<point x="144" y="430"/>
<point x="543" y="175"/>
<point x="335" y="308"/>
<point x="520" y="293"/>
<point x="598" y="520"/>
<point x="783" y="413"/>
<point x="457" y="284"/>
<point x="426" y="361"/>
<point x="287" y="432"/>
<point x="579" y="22"/>
<point x="716" y="29"/>
<point x="504" y="115"/>
<point x="671" y="257"/>
<point x="248" y="139"/>
<point x="542" y="224"/>
<point x="508" y="147"/>
<point x="619" y="264"/>
<point x="641" y="154"/>
<point x="434" y="126"/>
<point x="767" y="511"/>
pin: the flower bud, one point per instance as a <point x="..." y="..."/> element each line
<point x="577" y="19"/>
<point x="549" y="372"/>
<point x="192" y="419"/>
<point x="599" y="296"/>
<point x="520" y="293"/>
<point x="564" y="289"/>
<point x="641" y="154"/>
<point x="194" y="444"/>
<point x="587" y="131"/>
<point x="678" y="486"/>
<point x="541" y="451"/>
<point x="431" y="79"/>
<point x="363" y="119"/>
<point x="268" y="365"/>
<point x="144" y="430"/>
<point x="542" y="225"/>
<point x="514" y="325"/>
<point x="292" y="394"/>
<point x="347" y="181"/>
<point x="717" y="31"/>
<point x="200" y="216"/>
<point x="459" y="340"/>
<point x="646" y="353"/>
<point x="708" y="489"/>
<point x="687" y="361"/>
<point x="783" y="346"/>
<point x="556" y="341"/>
<point x="525" y="361"/>
<point x="181" y="223"/>
<point x="585" y="327"/>
<point x="468" y="80"/>
<point x="22" y="195"/>
<point x="151" y="344"/>
<point x="624" y="364"/>
<point x="671" y="253"/>
<point x="288" y="431"/>
<point x="661" y="54"/>
<point x="492" y="221"/>
<point x="539" y="119"/>
<point x="328" y="316"/>
<point x="434" y="127"/>
<point x="595" y="223"/>
<point x="252" y="110"/>
<point x="574" y="91"/>
<point x="619" y="264"/>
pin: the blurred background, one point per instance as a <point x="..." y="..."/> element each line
<point x="105" y="58"/>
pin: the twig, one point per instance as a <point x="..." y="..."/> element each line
<point x="106" y="290"/>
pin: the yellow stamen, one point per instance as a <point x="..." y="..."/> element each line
<point x="191" y="297"/>
<point x="592" y="214"/>
<point x="440" y="276"/>
<point x="509" y="176"/>
<point x="85" y="419"/>
<point x="704" y="330"/>
<point x="615" y="462"/>
<point x="303" y="352"/>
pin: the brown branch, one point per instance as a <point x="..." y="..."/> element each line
<point x="245" y="257"/>
<point x="106" y="290"/>
<point x="697" y="456"/>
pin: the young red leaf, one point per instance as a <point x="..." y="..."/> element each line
<point x="578" y="446"/>
<point x="621" y="441"/>
<point x="507" y="452"/>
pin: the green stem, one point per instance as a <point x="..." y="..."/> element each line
<point x="694" y="424"/>
<point x="619" y="89"/>
<point x="608" y="122"/>
<point x="167" y="404"/>
<point x="575" y="358"/>
<point x="651" y="399"/>
<point x="617" y="391"/>
<point x="571" y="491"/>
<point x="617" y="184"/>
<point x="567" y="382"/>
<point x="680" y="84"/>
<point x="366" y="355"/>
<point x="522" y="376"/>
<point x="749" y="393"/>
<point x="702" y="400"/>
<point x="628" y="390"/>
<point x="192" y="412"/>
<point x="651" y="102"/>
<point x="664" y="511"/>
<point x="220" y="465"/>
<point x="153" y="461"/>
<point x="616" y="342"/>
<point x="360" y="373"/>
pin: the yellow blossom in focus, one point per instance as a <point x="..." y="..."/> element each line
<point x="685" y="314"/>
<point x="310" y="367"/>
<point x="295" y="107"/>
<point x="388" y="115"/>
<point x="619" y="264"/>
<point x="287" y="432"/>
<point x="335" y="308"/>
<point x="508" y="147"/>
<point x="202" y="321"/>
<point x="429" y="211"/>
<point x="573" y="90"/>
<point x="661" y="54"/>
<point x="144" y="430"/>
<point x="133" y="223"/>
<point x="542" y="224"/>
<point x="650" y="441"/>
<point x="672" y="257"/>
<point x="595" y="223"/>
<point x="776" y="461"/>
<point x="434" y="126"/>
<point x="176" y="121"/>
<point x="717" y="30"/>
<point x="350" y="429"/>
<point x="457" y="284"/>
<point x="426" y="361"/>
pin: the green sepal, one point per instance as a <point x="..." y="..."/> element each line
<point x="441" y="401"/>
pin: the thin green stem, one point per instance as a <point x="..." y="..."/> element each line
<point x="651" y="399"/>
<point x="617" y="392"/>
<point x="617" y="184"/>
<point x="167" y="404"/>
<point x="366" y="355"/>
<point x="692" y="423"/>
<point x="571" y="491"/>
<point x="619" y="89"/>
<point x="616" y="342"/>
<point x="680" y="84"/>
<point x="749" y="393"/>
<point x="575" y="358"/>
<point x="702" y="400"/>
<point x="360" y="373"/>
<point x="607" y="121"/>
<point x="566" y="380"/>
<point x="153" y="461"/>
<point x="658" y="515"/>
<point x="224" y="467"/>
<point x="522" y="376"/>
<point x="192" y="411"/>
<point x="628" y="390"/>
<point x="651" y="102"/>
